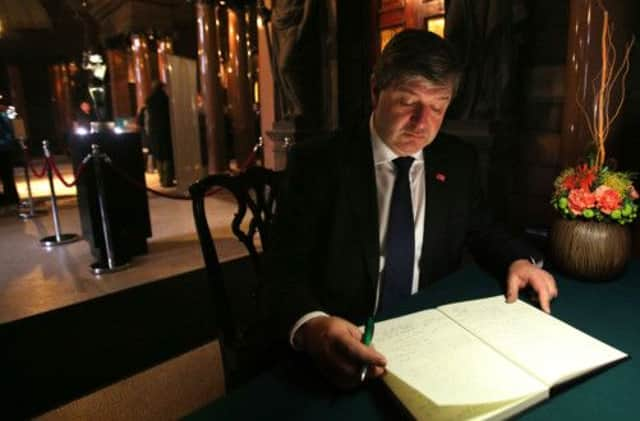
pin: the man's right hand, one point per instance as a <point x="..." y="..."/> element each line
<point x="334" y="345"/>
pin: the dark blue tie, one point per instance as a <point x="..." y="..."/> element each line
<point x="397" y="275"/>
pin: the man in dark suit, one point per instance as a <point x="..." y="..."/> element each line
<point x="9" y="195"/>
<point x="159" y="123"/>
<point x="84" y="116"/>
<point x="339" y="252"/>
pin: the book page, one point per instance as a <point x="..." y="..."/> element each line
<point x="442" y="361"/>
<point x="422" y="408"/>
<point x="546" y="347"/>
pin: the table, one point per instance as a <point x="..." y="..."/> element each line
<point x="608" y="311"/>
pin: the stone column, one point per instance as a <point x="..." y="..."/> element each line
<point x="119" y="83"/>
<point x="305" y="70"/>
<point x="240" y="97"/>
<point x="141" y="69"/>
<point x="274" y="158"/>
<point x="62" y="99"/>
<point x="210" y="86"/>
<point x="165" y="47"/>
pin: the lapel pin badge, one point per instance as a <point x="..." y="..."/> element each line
<point x="441" y="177"/>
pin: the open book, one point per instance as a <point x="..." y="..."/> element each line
<point x="483" y="359"/>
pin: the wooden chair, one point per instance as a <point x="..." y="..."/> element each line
<point x="243" y="342"/>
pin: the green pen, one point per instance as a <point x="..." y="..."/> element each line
<point x="367" y="336"/>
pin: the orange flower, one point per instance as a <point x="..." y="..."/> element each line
<point x="569" y="183"/>
<point x="608" y="199"/>
<point x="581" y="199"/>
<point x="585" y="177"/>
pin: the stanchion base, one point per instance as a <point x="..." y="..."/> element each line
<point x="52" y="240"/>
<point x="101" y="268"/>
<point x="26" y="214"/>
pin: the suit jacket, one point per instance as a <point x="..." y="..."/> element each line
<point x="159" y="124"/>
<point x="325" y="251"/>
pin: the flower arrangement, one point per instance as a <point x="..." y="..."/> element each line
<point x="588" y="193"/>
<point x="593" y="191"/>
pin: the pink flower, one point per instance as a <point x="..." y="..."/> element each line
<point x="633" y="193"/>
<point x="581" y="199"/>
<point x="608" y="199"/>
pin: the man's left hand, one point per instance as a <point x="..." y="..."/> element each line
<point x="523" y="273"/>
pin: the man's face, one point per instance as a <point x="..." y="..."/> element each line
<point x="408" y="114"/>
<point x="85" y="107"/>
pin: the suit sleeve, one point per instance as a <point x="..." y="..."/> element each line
<point x="288" y="289"/>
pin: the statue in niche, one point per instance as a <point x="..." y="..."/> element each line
<point x="487" y="34"/>
<point x="296" y="44"/>
<point x="96" y="69"/>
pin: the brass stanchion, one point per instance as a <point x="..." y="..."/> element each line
<point x="57" y="239"/>
<point x="26" y="209"/>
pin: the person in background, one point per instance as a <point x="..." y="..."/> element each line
<point x="9" y="196"/>
<point x="366" y="219"/>
<point x="143" y="127"/>
<point x="202" y="127"/>
<point x="160" y="133"/>
<point x="84" y="116"/>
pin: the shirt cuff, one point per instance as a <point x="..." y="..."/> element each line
<point x="539" y="263"/>
<point x="302" y="320"/>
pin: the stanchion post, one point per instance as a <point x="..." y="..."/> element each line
<point x="288" y="142"/>
<point x="29" y="202"/>
<point x="99" y="268"/>
<point x="57" y="239"/>
<point x="258" y="146"/>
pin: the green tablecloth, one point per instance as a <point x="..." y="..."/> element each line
<point x="607" y="311"/>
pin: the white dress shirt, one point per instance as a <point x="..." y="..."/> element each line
<point x="385" y="177"/>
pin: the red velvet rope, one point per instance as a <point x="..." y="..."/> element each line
<point x="36" y="173"/>
<point x="50" y="162"/>
<point x="139" y="185"/>
<point x="251" y="159"/>
<point x="248" y="162"/>
<point x="76" y="176"/>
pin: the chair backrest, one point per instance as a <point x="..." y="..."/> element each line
<point x="255" y="191"/>
<point x="257" y="188"/>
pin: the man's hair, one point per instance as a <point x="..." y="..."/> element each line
<point x="157" y="84"/>
<point x="416" y="53"/>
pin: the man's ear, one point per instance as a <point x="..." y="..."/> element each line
<point x="372" y="91"/>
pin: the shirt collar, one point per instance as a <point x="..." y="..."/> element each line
<point x="381" y="152"/>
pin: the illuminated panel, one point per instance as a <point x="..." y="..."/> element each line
<point x="436" y="25"/>
<point x="386" y="35"/>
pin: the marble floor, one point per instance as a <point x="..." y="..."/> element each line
<point x="35" y="279"/>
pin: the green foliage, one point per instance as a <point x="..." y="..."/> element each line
<point x="582" y="192"/>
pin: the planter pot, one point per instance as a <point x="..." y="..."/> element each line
<point x="594" y="251"/>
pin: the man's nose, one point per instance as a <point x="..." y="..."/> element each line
<point x="420" y="116"/>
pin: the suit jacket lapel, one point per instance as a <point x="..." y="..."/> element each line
<point x="361" y="192"/>
<point x="436" y="166"/>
